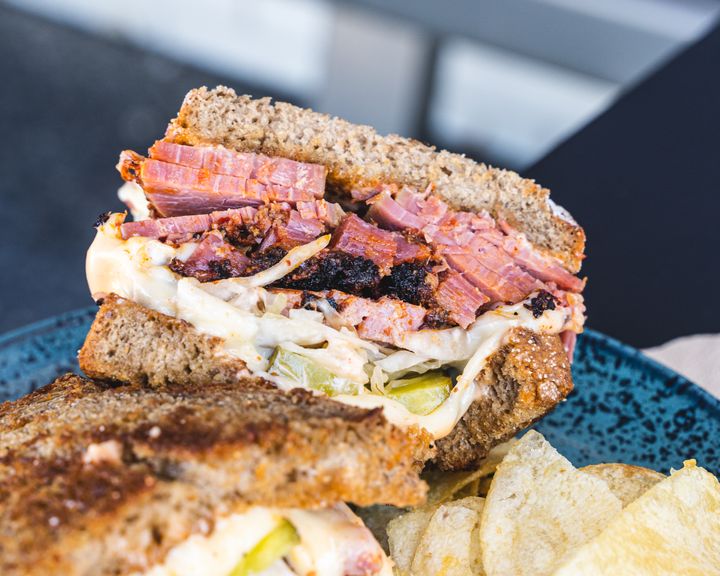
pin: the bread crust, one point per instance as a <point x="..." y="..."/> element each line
<point x="524" y="380"/>
<point x="130" y="343"/>
<point x="357" y="156"/>
<point x="186" y="456"/>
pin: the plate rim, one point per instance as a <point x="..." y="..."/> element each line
<point x="40" y="326"/>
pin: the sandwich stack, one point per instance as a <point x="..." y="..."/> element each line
<point x="300" y="314"/>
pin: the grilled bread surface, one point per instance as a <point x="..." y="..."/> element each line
<point x="101" y="479"/>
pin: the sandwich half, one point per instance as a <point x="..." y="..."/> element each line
<point x="213" y="480"/>
<point x="278" y="243"/>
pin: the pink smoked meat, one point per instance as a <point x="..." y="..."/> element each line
<point x="358" y="238"/>
<point x="266" y="170"/>
<point x="499" y="261"/>
<point x="460" y="298"/>
<point x="214" y="258"/>
<point x="542" y="266"/>
<point x="327" y="212"/>
<point x="383" y="321"/>
<point x="488" y="281"/>
<point x="568" y="339"/>
<point x="391" y="215"/>
<point x="176" y="190"/>
<point x="297" y="228"/>
<point x="407" y="251"/>
<point x="516" y="268"/>
<point x="294" y="232"/>
<point x="164" y="227"/>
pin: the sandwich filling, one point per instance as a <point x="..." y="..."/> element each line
<point x="392" y="299"/>
<point x="280" y="542"/>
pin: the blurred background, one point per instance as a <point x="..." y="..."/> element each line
<point x="612" y="104"/>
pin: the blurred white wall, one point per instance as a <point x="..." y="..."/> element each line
<point x="511" y="79"/>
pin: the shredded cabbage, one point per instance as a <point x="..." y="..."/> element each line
<point x="338" y="357"/>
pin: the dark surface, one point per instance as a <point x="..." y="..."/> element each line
<point x="643" y="179"/>
<point x="625" y="407"/>
<point x="69" y="103"/>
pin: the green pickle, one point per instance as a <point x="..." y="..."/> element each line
<point x="308" y="374"/>
<point x="421" y="394"/>
<point x="276" y="544"/>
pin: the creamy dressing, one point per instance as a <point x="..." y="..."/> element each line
<point x="327" y="538"/>
<point x="133" y="196"/>
<point x="137" y="269"/>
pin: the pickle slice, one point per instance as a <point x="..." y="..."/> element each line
<point x="276" y="544"/>
<point x="308" y="374"/>
<point x="421" y="394"/>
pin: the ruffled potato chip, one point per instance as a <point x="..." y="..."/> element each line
<point x="673" y="528"/>
<point x="446" y="486"/>
<point x="539" y="509"/>
<point x="404" y="535"/>
<point x="627" y="482"/>
<point x="450" y="543"/>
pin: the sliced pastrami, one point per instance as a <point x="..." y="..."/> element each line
<point x="488" y="281"/>
<point x="391" y="215"/>
<point x="568" y="339"/>
<point x="164" y="227"/>
<point x="359" y="238"/>
<point x="385" y="320"/>
<point x="292" y="231"/>
<point x="542" y="266"/>
<point x="176" y="190"/>
<point x="247" y="165"/>
<point x="459" y="298"/>
<point x="212" y="259"/>
<point x="327" y="212"/>
<point x="271" y="224"/>
<point x="498" y="248"/>
<point x="410" y="250"/>
<point x="499" y="261"/>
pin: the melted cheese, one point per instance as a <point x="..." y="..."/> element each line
<point x="137" y="269"/>
<point x="327" y="539"/>
<point x="133" y="196"/>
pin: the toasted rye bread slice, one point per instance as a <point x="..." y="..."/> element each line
<point x="182" y="458"/>
<point x="357" y="156"/>
<point x="523" y="381"/>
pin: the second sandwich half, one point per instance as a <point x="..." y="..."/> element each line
<point x="275" y="243"/>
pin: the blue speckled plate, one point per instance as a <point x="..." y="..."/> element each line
<point x="625" y="407"/>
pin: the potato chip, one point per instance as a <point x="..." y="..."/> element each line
<point x="627" y="482"/>
<point x="539" y="509"/>
<point x="404" y="534"/>
<point x="450" y="543"/>
<point x="444" y="486"/>
<point x="674" y="528"/>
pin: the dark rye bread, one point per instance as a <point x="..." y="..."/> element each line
<point x="357" y="156"/>
<point x="163" y="351"/>
<point x="185" y="457"/>
<point x="524" y="380"/>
